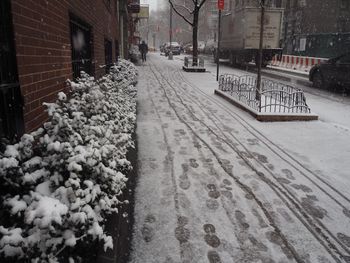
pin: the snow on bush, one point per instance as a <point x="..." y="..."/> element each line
<point x="59" y="182"/>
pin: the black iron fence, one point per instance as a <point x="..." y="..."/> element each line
<point x="275" y="97"/>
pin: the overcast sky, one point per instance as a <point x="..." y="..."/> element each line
<point x="154" y="3"/>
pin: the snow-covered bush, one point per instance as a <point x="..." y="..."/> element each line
<point x="59" y="182"/>
<point x="134" y="53"/>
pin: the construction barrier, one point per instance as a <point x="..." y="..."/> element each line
<point x="296" y="62"/>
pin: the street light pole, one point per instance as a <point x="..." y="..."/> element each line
<point x="170" y="57"/>
<point x="260" y="56"/>
<point x="218" y="48"/>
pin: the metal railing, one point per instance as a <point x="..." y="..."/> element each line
<point x="275" y="97"/>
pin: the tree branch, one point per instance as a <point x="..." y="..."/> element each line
<point x="181" y="15"/>
<point x="184" y="7"/>
<point x="201" y="4"/>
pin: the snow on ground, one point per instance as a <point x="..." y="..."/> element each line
<point x="215" y="185"/>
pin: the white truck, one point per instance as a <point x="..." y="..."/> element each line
<point x="241" y="33"/>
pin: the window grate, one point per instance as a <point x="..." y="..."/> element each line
<point x="108" y="54"/>
<point x="81" y="43"/>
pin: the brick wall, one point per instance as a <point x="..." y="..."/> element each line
<point x="42" y="38"/>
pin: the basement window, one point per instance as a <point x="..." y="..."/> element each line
<point x="81" y="43"/>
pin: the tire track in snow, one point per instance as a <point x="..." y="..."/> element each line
<point x="249" y="128"/>
<point x="244" y="187"/>
<point x="182" y="234"/>
<point x="314" y="228"/>
<point x="299" y="205"/>
<point x="342" y="243"/>
<point x="310" y="217"/>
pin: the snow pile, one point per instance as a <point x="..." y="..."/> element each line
<point x="58" y="183"/>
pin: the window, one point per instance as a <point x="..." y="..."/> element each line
<point x="81" y="43"/>
<point x="11" y="104"/>
<point x="116" y="42"/>
<point x="108" y="4"/>
<point x="278" y="3"/>
<point x="302" y="3"/>
<point x="344" y="4"/>
<point x="108" y="54"/>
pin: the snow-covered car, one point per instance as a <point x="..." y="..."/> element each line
<point x="175" y="48"/>
<point x="188" y="48"/>
<point x="333" y="72"/>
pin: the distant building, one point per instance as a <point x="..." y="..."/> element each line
<point x="208" y="21"/>
<point x="316" y="28"/>
<point x="44" y="43"/>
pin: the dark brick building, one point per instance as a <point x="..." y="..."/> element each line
<point x="316" y="28"/>
<point x="46" y="42"/>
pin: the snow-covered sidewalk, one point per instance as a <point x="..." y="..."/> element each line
<point x="215" y="185"/>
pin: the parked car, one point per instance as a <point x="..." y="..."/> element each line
<point x="175" y="48"/>
<point x="188" y="48"/>
<point x="333" y="72"/>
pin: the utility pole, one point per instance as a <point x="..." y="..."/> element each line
<point x="218" y="48"/>
<point x="260" y="56"/>
<point x="154" y="40"/>
<point x="221" y="5"/>
<point x="170" y="57"/>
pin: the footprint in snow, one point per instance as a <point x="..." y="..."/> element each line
<point x="288" y="173"/>
<point x="210" y="237"/>
<point x="213" y="257"/>
<point x="302" y="187"/>
<point x="193" y="163"/>
<point x="213" y="192"/>
<point x="147" y="233"/>
<point x="212" y="204"/>
<point x="253" y="141"/>
<point x="147" y="230"/>
<point x="182" y="234"/>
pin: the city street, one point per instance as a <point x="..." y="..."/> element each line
<point x="215" y="185"/>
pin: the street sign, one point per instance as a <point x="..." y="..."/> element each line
<point x="221" y="4"/>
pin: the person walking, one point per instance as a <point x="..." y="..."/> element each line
<point x="143" y="49"/>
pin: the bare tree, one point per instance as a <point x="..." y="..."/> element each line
<point x="190" y="14"/>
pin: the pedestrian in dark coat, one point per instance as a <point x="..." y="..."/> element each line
<point x="143" y="49"/>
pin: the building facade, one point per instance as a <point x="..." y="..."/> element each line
<point x="316" y="28"/>
<point x="44" y="43"/>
